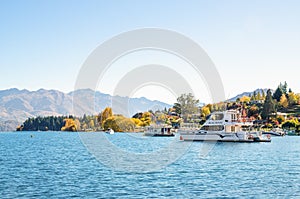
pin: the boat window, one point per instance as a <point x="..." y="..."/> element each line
<point x="217" y="116"/>
<point x="232" y="129"/>
<point x="165" y="130"/>
<point x="213" y="128"/>
<point x="233" y="117"/>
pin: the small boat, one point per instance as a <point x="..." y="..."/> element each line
<point x="162" y="132"/>
<point x="110" y="131"/>
<point x="224" y="126"/>
<point x="165" y="132"/>
<point x="260" y="137"/>
<point x="274" y="132"/>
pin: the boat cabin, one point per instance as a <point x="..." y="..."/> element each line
<point x="222" y="121"/>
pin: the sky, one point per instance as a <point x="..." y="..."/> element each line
<point x="253" y="43"/>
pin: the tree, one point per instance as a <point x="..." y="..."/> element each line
<point x="258" y="96"/>
<point x="263" y="95"/>
<point x="104" y="115"/>
<point x="245" y="99"/>
<point x="281" y="89"/>
<point x="137" y="121"/>
<point x="284" y="88"/>
<point x="278" y="93"/>
<point x="146" y="119"/>
<point x="69" y="125"/>
<point x="292" y="98"/>
<point x="119" y="124"/>
<point x="125" y="124"/>
<point x="177" y="108"/>
<point x="92" y="124"/>
<point x="205" y="111"/>
<point x="284" y="101"/>
<point x="254" y="95"/>
<point x="253" y="111"/>
<point x="269" y="106"/>
<point x="165" y="110"/>
<point x="188" y="104"/>
<point x="110" y="123"/>
<point x="280" y="119"/>
<point x="138" y="115"/>
<point x="77" y="124"/>
<point x="290" y="124"/>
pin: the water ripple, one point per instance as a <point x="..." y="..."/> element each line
<point x="57" y="165"/>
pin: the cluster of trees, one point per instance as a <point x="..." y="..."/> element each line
<point x="104" y="120"/>
<point x="285" y="98"/>
<point x="119" y="123"/>
<point x="53" y="123"/>
<point x="50" y="123"/>
<point x="291" y="124"/>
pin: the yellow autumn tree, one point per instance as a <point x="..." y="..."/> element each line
<point x="92" y="124"/>
<point x="245" y="99"/>
<point x="77" y="124"/>
<point x="125" y="124"/>
<point x="70" y="125"/>
<point x="292" y="98"/>
<point x="137" y="121"/>
<point x="205" y="111"/>
<point x="104" y="115"/>
<point x="284" y="101"/>
<point x="161" y="117"/>
<point x="119" y="124"/>
<point x="146" y="119"/>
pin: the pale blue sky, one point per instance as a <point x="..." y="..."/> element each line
<point x="253" y="44"/>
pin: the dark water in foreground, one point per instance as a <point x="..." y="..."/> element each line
<point x="57" y="165"/>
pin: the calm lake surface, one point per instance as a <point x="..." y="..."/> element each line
<point x="58" y="165"/>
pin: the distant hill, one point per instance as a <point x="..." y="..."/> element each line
<point x="259" y="90"/>
<point x="17" y="105"/>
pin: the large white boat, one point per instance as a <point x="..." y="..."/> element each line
<point x="225" y="126"/>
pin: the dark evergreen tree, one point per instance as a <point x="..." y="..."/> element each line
<point x="263" y="94"/>
<point x="281" y="89"/>
<point x="284" y="88"/>
<point x="278" y="93"/>
<point x="177" y="108"/>
<point x="254" y="95"/>
<point x="269" y="106"/>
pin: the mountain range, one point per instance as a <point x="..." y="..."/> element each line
<point x="259" y="90"/>
<point x="17" y="105"/>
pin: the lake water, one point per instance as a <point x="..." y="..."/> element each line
<point x="58" y="165"/>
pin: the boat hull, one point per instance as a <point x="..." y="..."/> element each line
<point x="163" y="135"/>
<point x="229" y="137"/>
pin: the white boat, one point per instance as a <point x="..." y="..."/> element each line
<point x="275" y="132"/>
<point x="224" y="126"/>
<point x="166" y="131"/>
<point x="110" y="131"/>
